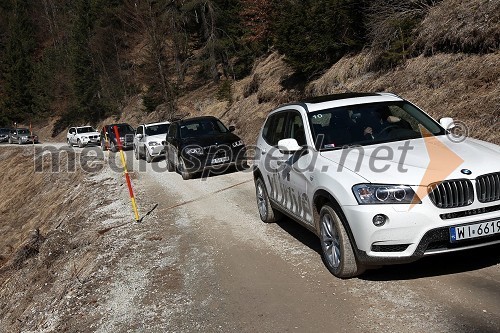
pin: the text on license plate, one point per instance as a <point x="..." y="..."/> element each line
<point x="474" y="230"/>
<point x="220" y="160"/>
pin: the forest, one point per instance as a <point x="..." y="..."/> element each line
<point x="81" y="60"/>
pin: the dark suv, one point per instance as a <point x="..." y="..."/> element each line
<point x="4" y="134"/>
<point x="197" y="144"/>
<point x="108" y="138"/>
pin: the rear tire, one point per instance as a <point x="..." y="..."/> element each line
<point x="337" y="251"/>
<point x="267" y="213"/>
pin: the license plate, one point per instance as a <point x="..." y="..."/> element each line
<point x="220" y="160"/>
<point x="474" y="230"/>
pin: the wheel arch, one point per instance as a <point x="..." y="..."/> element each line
<point x="322" y="197"/>
<point x="256" y="173"/>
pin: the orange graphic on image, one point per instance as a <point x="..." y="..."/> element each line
<point x="442" y="162"/>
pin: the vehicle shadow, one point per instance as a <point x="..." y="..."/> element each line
<point x="436" y="265"/>
<point x="212" y="173"/>
<point x="300" y="233"/>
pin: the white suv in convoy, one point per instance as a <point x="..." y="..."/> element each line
<point x="148" y="140"/>
<point x="377" y="180"/>
<point x="82" y="136"/>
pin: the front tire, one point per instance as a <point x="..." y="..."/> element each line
<point x="149" y="158"/>
<point x="337" y="251"/>
<point x="10" y="141"/>
<point x="267" y="213"/>
<point x="136" y="153"/>
<point x="170" y="166"/>
<point x="182" y="169"/>
<point x="80" y="144"/>
<point x="113" y="147"/>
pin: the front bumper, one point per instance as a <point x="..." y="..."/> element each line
<point x="91" y="141"/>
<point x="220" y="161"/>
<point x="156" y="151"/>
<point x="409" y="235"/>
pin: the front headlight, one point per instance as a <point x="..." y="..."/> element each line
<point x="237" y="143"/>
<point x="194" y="151"/>
<point x="153" y="143"/>
<point x="372" y="194"/>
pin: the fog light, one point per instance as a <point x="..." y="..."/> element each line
<point x="379" y="220"/>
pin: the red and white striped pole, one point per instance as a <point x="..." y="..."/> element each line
<point x="127" y="177"/>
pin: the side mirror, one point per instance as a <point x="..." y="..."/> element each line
<point x="447" y="123"/>
<point x="164" y="143"/>
<point x="287" y="146"/>
<point x="231" y="128"/>
<point x="139" y="136"/>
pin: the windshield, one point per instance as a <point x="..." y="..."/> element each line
<point x="122" y="129"/>
<point x="23" y="131"/>
<point x="86" y="129"/>
<point x="4" y="130"/>
<point x="367" y="124"/>
<point x="157" y="129"/>
<point x="202" y="127"/>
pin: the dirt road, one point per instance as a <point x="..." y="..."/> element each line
<point x="202" y="261"/>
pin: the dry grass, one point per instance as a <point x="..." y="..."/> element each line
<point x="461" y="26"/>
<point x="31" y="200"/>
<point x="466" y="87"/>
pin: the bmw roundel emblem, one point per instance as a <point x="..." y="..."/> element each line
<point x="466" y="171"/>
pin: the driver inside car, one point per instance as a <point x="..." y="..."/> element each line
<point x="379" y="122"/>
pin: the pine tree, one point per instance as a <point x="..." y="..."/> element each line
<point x="314" y="34"/>
<point x="17" y="64"/>
<point x="85" y="78"/>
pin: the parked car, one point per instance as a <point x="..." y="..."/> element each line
<point x="82" y="136"/>
<point x="148" y="140"/>
<point x="202" y="143"/>
<point x="21" y="136"/>
<point x="4" y="134"/>
<point x="108" y="138"/>
<point x="354" y="169"/>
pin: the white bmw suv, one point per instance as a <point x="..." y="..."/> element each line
<point x="148" y="140"/>
<point x="377" y="180"/>
<point x="82" y="136"/>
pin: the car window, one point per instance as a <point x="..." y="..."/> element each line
<point x="124" y="128"/>
<point x="201" y="127"/>
<point x="367" y="124"/>
<point x="157" y="129"/>
<point x="172" y="131"/>
<point x="274" y="129"/>
<point x="139" y="130"/>
<point x="86" y="129"/>
<point x="23" y="131"/>
<point x="295" y="128"/>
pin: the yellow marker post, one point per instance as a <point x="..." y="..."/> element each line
<point x="125" y="171"/>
